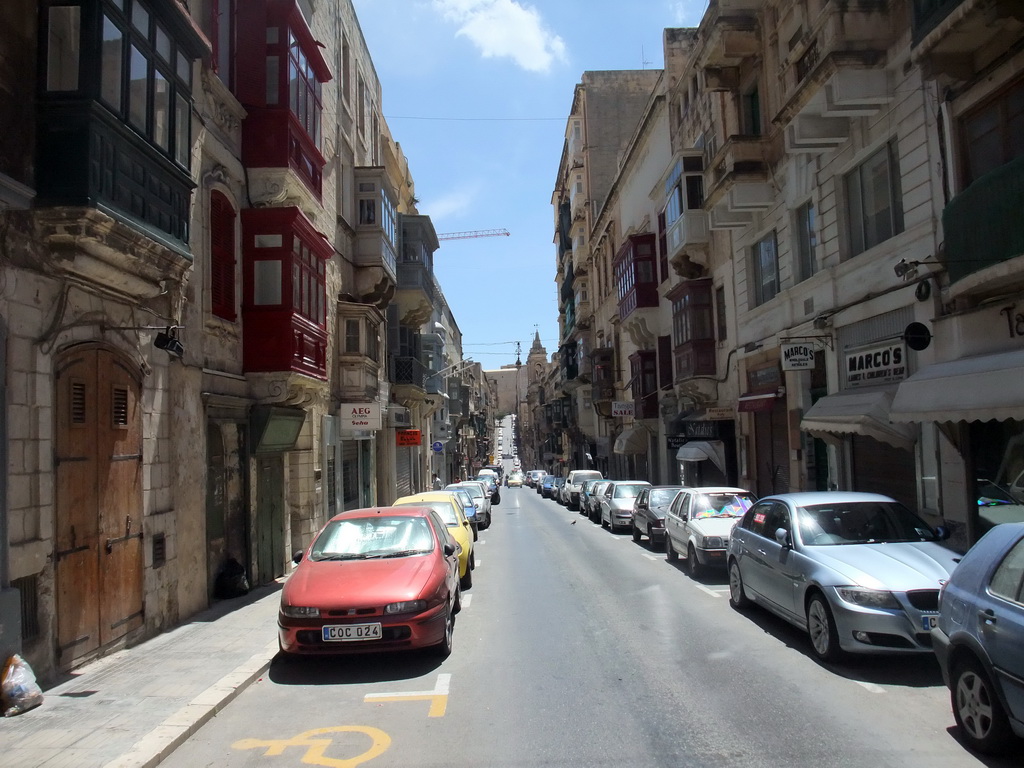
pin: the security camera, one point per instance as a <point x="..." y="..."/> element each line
<point x="905" y="269"/>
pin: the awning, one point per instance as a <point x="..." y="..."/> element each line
<point x="631" y="441"/>
<point x="969" y="389"/>
<point x="750" y="403"/>
<point x="702" y="450"/>
<point x="858" y="412"/>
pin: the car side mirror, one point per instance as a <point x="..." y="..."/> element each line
<point x="782" y="536"/>
<point x="297" y="557"/>
<point x="449" y="549"/>
<point x="942" y="533"/>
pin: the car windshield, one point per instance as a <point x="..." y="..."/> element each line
<point x="363" y="538"/>
<point x="861" y="522"/>
<point x="662" y="496"/>
<point x="473" y="490"/>
<point x="721" y="504"/>
<point x="558" y="481"/>
<point x="627" y="491"/>
<point x="580" y="477"/>
<point x="445" y="509"/>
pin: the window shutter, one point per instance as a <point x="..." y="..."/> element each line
<point x="665" y="362"/>
<point x="222" y="257"/>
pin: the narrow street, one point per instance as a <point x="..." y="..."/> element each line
<point x="576" y="647"/>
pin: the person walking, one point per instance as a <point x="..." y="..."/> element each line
<point x="437" y="484"/>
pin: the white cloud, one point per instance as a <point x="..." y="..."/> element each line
<point x="688" y="13"/>
<point x="505" y="28"/>
<point x="453" y="204"/>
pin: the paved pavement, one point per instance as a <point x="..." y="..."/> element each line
<point x="132" y="708"/>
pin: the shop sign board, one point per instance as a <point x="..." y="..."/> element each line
<point x="623" y="408"/>
<point x="872" y="366"/>
<point x="798" y="356"/>
<point x="405" y="438"/>
<point x="356" y="417"/>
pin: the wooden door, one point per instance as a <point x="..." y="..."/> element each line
<point x="99" y="556"/>
<point x="270" y="554"/>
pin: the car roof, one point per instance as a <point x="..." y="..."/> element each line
<point x="723" y="489"/>
<point x="427" y="496"/>
<point x="807" y="498"/>
<point x="355" y="514"/>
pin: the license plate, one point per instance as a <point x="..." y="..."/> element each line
<point x="341" y="633"/>
<point x="929" y="622"/>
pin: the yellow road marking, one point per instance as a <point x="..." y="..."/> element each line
<point x="438" y="697"/>
<point x="315" y="747"/>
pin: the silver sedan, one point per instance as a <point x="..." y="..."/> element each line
<point x="858" y="571"/>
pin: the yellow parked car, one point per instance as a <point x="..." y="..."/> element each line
<point x="450" y="511"/>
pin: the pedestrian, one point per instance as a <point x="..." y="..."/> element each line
<point x="437" y="484"/>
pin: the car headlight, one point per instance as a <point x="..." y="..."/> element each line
<point x="713" y="542"/>
<point x="868" y="598"/>
<point x="300" y="612"/>
<point x="407" y="606"/>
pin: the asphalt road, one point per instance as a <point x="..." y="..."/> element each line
<point x="577" y="647"/>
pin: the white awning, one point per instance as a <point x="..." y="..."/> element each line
<point x="858" y="412"/>
<point x="631" y="441"/>
<point x="702" y="450"/>
<point x="969" y="389"/>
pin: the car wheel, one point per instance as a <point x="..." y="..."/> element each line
<point x="822" y="629"/>
<point x="465" y="582"/>
<point x="603" y="523"/>
<point x="444" y="648"/>
<point x="653" y="542"/>
<point x="737" y="597"/>
<point x="976" y="708"/>
<point x="458" y="600"/>
<point x="692" y="563"/>
<point x="472" y="561"/>
<point x="636" y="533"/>
<point x="670" y="552"/>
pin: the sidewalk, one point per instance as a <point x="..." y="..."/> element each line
<point x="131" y="709"/>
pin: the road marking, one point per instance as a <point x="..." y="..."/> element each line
<point x="315" y="747"/>
<point x="466" y="600"/>
<point x="438" y="697"/>
<point x="708" y="591"/>
<point x="870" y="686"/>
<point x="476" y="562"/>
<point x="652" y="557"/>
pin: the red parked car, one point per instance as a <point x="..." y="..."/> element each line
<point x="373" y="580"/>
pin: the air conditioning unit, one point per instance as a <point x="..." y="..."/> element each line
<point x="398" y="416"/>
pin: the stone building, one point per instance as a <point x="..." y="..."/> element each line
<point x="201" y="272"/>
<point x="829" y="322"/>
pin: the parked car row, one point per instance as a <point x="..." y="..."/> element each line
<point x="859" y="572"/>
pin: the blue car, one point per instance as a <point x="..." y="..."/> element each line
<point x="979" y="640"/>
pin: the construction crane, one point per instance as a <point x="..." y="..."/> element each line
<point x="474" y="233"/>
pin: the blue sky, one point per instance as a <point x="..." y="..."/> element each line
<point x="477" y="93"/>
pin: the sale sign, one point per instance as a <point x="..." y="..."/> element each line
<point x="407" y="437"/>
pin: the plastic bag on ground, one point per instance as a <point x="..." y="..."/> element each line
<point x="19" y="691"/>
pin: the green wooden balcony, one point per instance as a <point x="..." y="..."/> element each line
<point x="983" y="224"/>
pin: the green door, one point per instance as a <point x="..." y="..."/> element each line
<point x="270" y="517"/>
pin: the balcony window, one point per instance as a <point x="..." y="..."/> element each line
<point x="285" y="309"/>
<point x="875" y="200"/>
<point x="222" y="257"/>
<point x="993" y="134"/>
<point x="644" y="376"/>
<point x="765" y="269"/>
<point x="63" y="49"/>
<point x="222" y="35"/>
<point x="353" y="329"/>
<point x="635" y="272"/>
<point x="806" y="240"/>
<point x="144" y="76"/>
<point x="693" y="330"/>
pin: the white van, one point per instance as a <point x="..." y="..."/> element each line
<point x="573" y="482"/>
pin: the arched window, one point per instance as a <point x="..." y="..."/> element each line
<point x="222" y="257"/>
